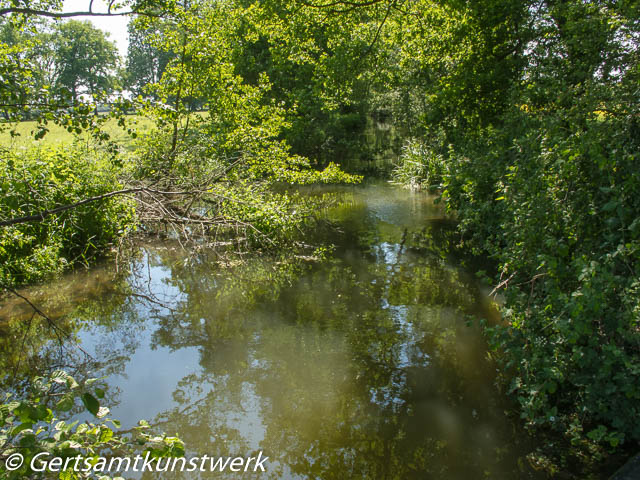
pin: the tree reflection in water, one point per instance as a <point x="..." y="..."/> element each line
<point x="358" y="366"/>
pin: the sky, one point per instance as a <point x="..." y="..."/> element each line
<point x="115" y="26"/>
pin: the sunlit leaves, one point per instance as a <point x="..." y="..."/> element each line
<point x="31" y="428"/>
<point x="44" y="179"/>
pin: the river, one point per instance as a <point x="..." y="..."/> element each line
<point x="365" y="364"/>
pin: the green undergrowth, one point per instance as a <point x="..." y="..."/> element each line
<point x="44" y="178"/>
<point x="419" y="167"/>
<point x="236" y="193"/>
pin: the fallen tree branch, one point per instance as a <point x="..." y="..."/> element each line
<point x="45" y="213"/>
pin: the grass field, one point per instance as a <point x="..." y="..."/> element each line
<point x="58" y="135"/>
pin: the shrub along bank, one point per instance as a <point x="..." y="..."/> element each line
<point x="532" y="123"/>
<point x="41" y="179"/>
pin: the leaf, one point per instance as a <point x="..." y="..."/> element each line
<point x="11" y="406"/>
<point x="105" y="435"/>
<point x="21" y="428"/>
<point x="103" y="411"/>
<point x="65" y="404"/>
<point x="91" y="403"/>
<point x="91" y="381"/>
<point x="66" y="475"/>
<point x="41" y="412"/>
<point x="62" y="377"/>
<point x="59" y="376"/>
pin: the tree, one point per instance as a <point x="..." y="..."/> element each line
<point x="18" y="75"/>
<point x="323" y="69"/>
<point x="85" y="59"/>
<point x="145" y="62"/>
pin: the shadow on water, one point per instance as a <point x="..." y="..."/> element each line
<point x="362" y="365"/>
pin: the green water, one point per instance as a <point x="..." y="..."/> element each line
<point x="362" y="365"/>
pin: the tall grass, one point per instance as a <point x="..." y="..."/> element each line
<point x="419" y="167"/>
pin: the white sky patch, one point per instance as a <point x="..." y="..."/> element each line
<point x="115" y="26"/>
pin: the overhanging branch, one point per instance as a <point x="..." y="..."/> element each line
<point x="88" y="13"/>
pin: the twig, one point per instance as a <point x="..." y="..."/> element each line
<point x="503" y="283"/>
<point x="57" y="330"/>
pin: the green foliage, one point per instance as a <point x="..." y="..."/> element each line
<point x="246" y="188"/>
<point x="419" y="167"/>
<point x="237" y="141"/>
<point x="85" y="59"/>
<point x="245" y="118"/>
<point x="40" y="422"/>
<point x="569" y="240"/>
<point x="526" y="117"/>
<point x="535" y="114"/>
<point x="235" y="148"/>
<point x="49" y="66"/>
<point x="145" y="63"/>
<point x="319" y="67"/>
<point x="46" y="178"/>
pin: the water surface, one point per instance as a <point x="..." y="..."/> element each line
<point x="362" y="365"/>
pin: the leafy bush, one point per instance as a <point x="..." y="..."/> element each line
<point x="572" y="243"/>
<point x="561" y="217"/>
<point x="539" y="129"/>
<point x="243" y="189"/>
<point x="32" y="425"/>
<point x="420" y="167"/>
<point x="42" y="179"/>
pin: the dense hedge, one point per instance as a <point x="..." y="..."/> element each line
<point x="542" y="171"/>
<point x="561" y="217"/>
<point x="555" y="200"/>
